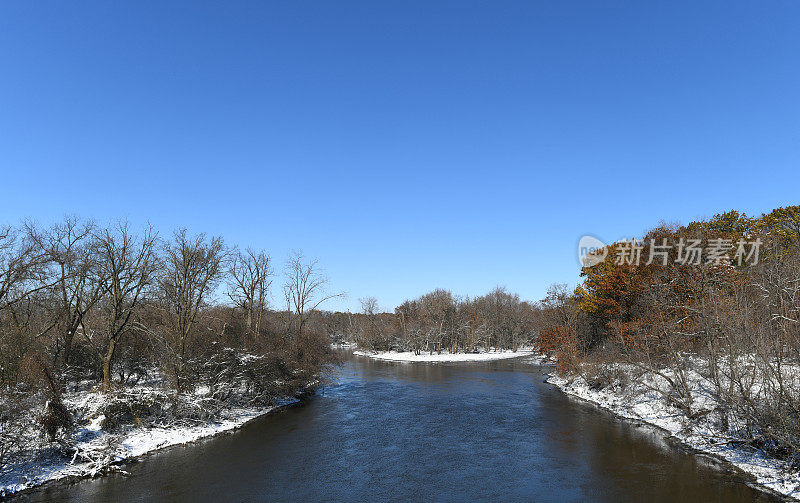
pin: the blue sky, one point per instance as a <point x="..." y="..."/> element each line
<point x="406" y="145"/>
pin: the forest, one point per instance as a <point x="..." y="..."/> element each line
<point x="441" y="321"/>
<point x="159" y="330"/>
<point x="715" y="335"/>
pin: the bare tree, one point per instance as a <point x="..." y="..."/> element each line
<point x="22" y="269"/>
<point x="24" y="278"/>
<point x="369" y="305"/>
<point x="304" y="290"/>
<point x="78" y="300"/>
<point x="250" y="276"/>
<point x="193" y="267"/>
<point x="127" y="265"/>
<point x="72" y="250"/>
<point x="371" y="332"/>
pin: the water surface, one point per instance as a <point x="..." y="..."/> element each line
<point x="435" y="432"/>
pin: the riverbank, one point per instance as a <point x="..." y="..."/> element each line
<point x="641" y="401"/>
<point x="444" y="356"/>
<point x="90" y="450"/>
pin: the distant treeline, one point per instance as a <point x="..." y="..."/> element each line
<point x="440" y="321"/>
<point x="735" y="321"/>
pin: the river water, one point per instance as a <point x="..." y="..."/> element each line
<point x="434" y="432"/>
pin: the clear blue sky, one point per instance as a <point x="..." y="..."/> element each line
<point x="406" y="145"/>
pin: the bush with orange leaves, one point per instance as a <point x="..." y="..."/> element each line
<point x="562" y="343"/>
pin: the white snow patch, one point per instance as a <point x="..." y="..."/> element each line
<point x="409" y="356"/>
<point x="702" y="434"/>
<point x="96" y="450"/>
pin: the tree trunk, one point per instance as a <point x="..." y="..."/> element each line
<point x="69" y="337"/>
<point x="107" y="365"/>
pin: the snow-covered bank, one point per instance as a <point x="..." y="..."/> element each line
<point x="409" y="356"/>
<point x="639" y="401"/>
<point x="95" y="451"/>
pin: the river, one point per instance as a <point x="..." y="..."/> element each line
<point x="434" y="432"/>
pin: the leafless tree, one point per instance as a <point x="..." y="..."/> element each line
<point x="127" y="264"/>
<point x="22" y="267"/>
<point x="80" y="300"/>
<point x="24" y="279"/>
<point x="250" y="277"/>
<point x="304" y="290"/>
<point x="371" y="331"/>
<point x="72" y="249"/>
<point x="193" y="267"/>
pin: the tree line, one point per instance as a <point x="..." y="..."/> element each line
<point x="83" y="304"/>
<point x="440" y="321"/>
<point x="734" y="323"/>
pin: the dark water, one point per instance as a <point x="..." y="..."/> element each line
<point x="433" y="432"/>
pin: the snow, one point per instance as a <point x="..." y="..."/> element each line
<point x="703" y="434"/>
<point x="97" y="451"/>
<point x="409" y="356"/>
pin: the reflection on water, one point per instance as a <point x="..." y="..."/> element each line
<point x="434" y="432"/>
